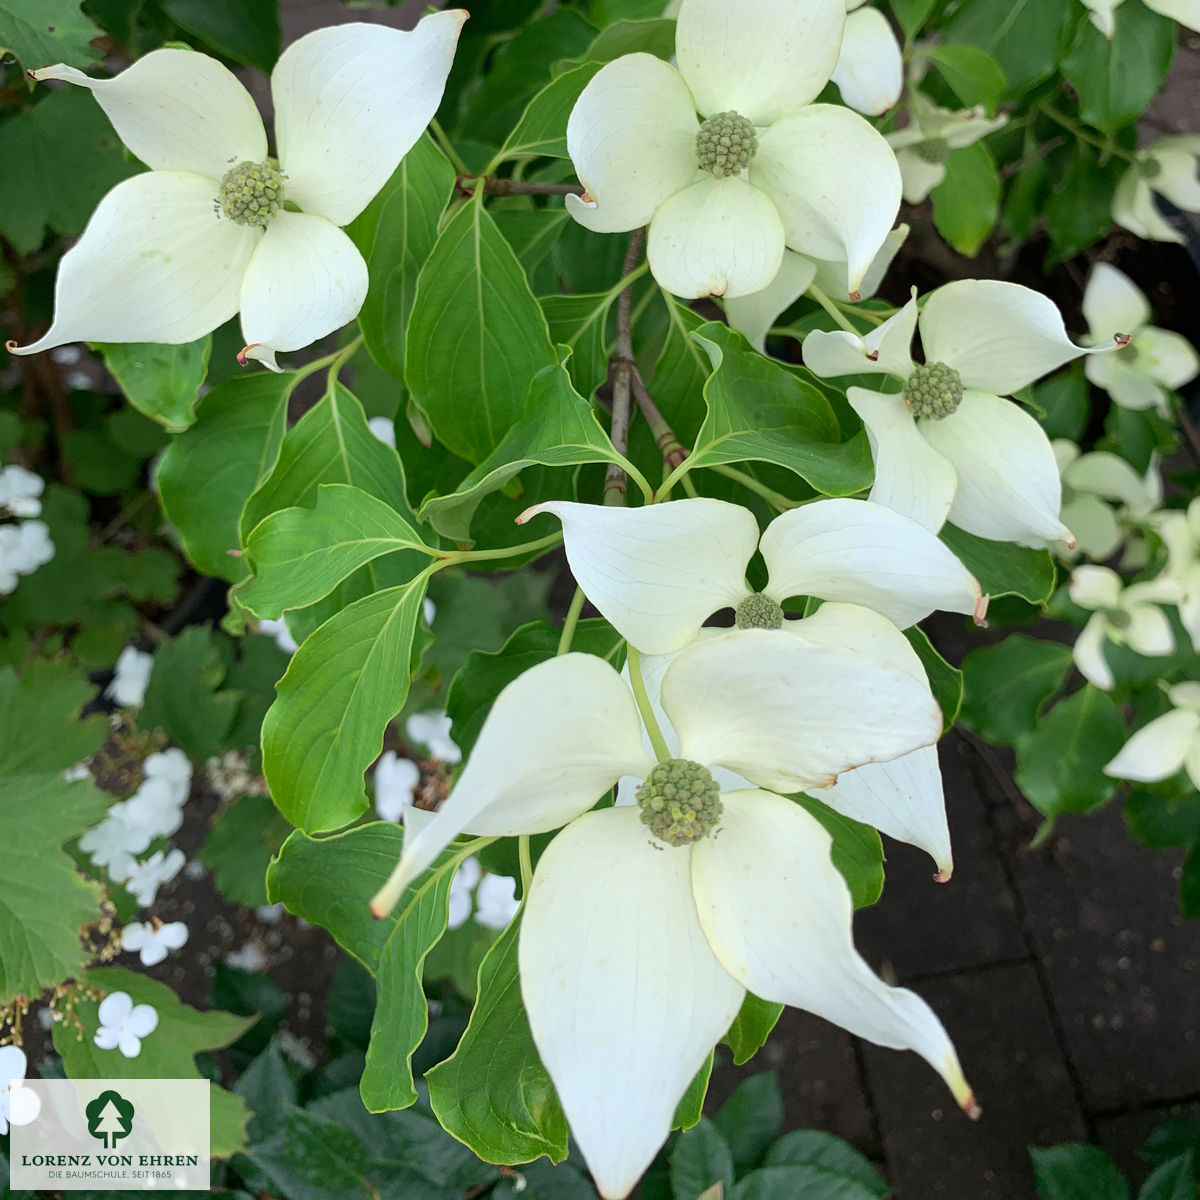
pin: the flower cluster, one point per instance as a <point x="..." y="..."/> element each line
<point x="25" y="542"/>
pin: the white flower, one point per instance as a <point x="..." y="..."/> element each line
<point x="147" y="877"/>
<point x="171" y="254"/>
<point x="429" y="609"/>
<point x="123" y="1024"/>
<point x="23" y="548"/>
<point x="1181" y="532"/>
<point x="1092" y="484"/>
<point x="1120" y="614"/>
<point x="131" y="677"/>
<point x="154" y="809"/>
<point x="635" y="955"/>
<point x="113" y="843"/>
<point x="1155" y="362"/>
<point x="461" y="887"/>
<point x="19" y="1105"/>
<point x="923" y="145"/>
<point x="81" y="770"/>
<point x="496" y="901"/>
<point x="870" y="66"/>
<point x="20" y="491"/>
<point x="250" y="957"/>
<point x="813" y="177"/>
<point x="1166" y="744"/>
<point x="432" y="730"/>
<point x="395" y="779"/>
<point x="384" y="428"/>
<point x="1186" y="12"/>
<point x="153" y="942"/>
<point x="174" y="768"/>
<point x="948" y="446"/>
<point x="1167" y="167"/>
<point x="281" y="633"/>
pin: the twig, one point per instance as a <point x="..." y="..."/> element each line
<point x="673" y="450"/>
<point x="615" y="482"/>
<point x="519" y="187"/>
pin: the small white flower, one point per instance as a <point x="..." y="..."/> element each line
<point x="923" y="145"/>
<point x="153" y="942"/>
<point x="19" y="1105"/>
<point x="461" y="886"/>
<point x="870" y="66"/>
<point x="280" y="632"/>
<point x="384" y="428"/>
<point x="147" y="877"/>
<point x="427" y="607"/>
<point x="496" y="901"/>
<point x="250" y="957"/>
<point x="20" y="491"/>
<point x="131" y="677"/>
<point x="1168" y="168"/>
<point x="432" y="730"/>
<point x="113" y="843"/>
<point x="1186" y="12"/>
<point x="173" y="766"/>
<point x="123" y="1024"/>
<point x="1181" y="533"/>
<point x="23" y="548"/>
<point x="1166" y="744"/>
<point x="81" y="770"/>
<point x="395" y="779"/>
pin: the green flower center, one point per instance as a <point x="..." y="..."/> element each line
<point x="725" y="144"/>
<point x="1117" y="618"/>
<point x="933" y="391"/>
<point x="932" y="150"/>
<point x="759" y="612"/>
<point x="680" y="802"/>
<point x="1150" y="168"/>
<point x="251" y="193"/>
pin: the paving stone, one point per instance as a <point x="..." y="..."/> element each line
<point x="1122" y="1136"/>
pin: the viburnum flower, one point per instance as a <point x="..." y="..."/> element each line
<point x="1092" y="484"/>
<point x="646" y="924"/>
<point x="870" y="67"/>
<point x="1129" y="615"/>
<point x="113" y="843"/>
<point x="279" y="631"/>
<point x="1166" y="744"/>
<point x="1154" y="363"/>
<point x="1166" y="167"/>
<point x="924" y="144"/>
<point x="19" y="1105"/>
<point x="1186" y="12"/>
<point x="947" y="446"/>
<point x="760" y="168"/>
<point x="216" y="225"/>
<point x="496" y="901"/>
<point x="123" y="1024"/>
<point x="131" y="677"/>
<point x="147" y="877"/>
<point x="395" y="780"/>
<point x="153" y="942"/>
<point x="432" y="730"/>
<point x="1180" y="531"/>
<point x="20" y="491"/>
<point x="23" y="548"/>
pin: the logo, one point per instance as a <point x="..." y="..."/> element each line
<point x="109" y="1118"/>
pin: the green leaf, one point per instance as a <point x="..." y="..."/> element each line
<point x="857" y="851"/>
<point x="1005" y="686"/>
<point x="299" y="555"/>
<point x="396" y="233"/>
<point x="1065" y="399"/>
<point x="966" y="204"/>
<point x="751" y="1027"/>
<point x="1189" y="883"/>
<point x="45" y="900"/>
<point x="169" y="1052"/>
<point x="582" y="325"/>
<point x="945" y="681"/>
<point x="1060" y="763"/>
<point x="1173" y="1180"/>
<point x="208" y="473"/>
<point x="343" y="686"/>
<point x="815" y="1147"/>
<point x="476" y="336"/>
<point x="1025" y="36"/>
<point x="41" y="32"/>
<point x="1076" y="1171"/>
<point x="43" y="705"/>
<point x="759" y="410"/>
<point x="1160" y="820"/>
<point x="788" y="1182"/>
<point x="330" y="882"/>
<point x="912" y="14"/>
<point x="973" y="75"/>
<point x="690" y="1108"/>
<point x="700" y="1159"/>
<point x="161" y="381"/>
<point x="245" y="30"/>
<point x="1116" y="79"/>
<point x="493" y="1093"/>
<point x="1002" y="568"/>
<point x="1079" y="209"/>
<point x="1173" y="1137"/>
<point x="751" y="1119"/>
<point x="542" y="129"/>
<point x="654" y="35"/>
<point x="245" y="836"/>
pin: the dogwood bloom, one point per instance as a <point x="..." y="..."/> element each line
<point x="210" y="229"/>
<point x="123" y="1024"/>
<point x="924" y="144"/>
<point x="1186" y="12"/>
<point x="870" y="66"/>
<point x="20" y="491"/>
<point x="1166" y="167"/>
<point x="147" y="877"/>
<point x="947" y="447"/>
<point x="646" y="924"/>
<point x="760" y="168"/>
<point x="131" y="677"/>
<point x="432" y="730"/>
<point x="23" y="548"/>
<point x="1092" y="484"/>
<point x="1129" y="615"/>
<point x="1180" y="531"/>
<point x="19" y="1105"/>
<point x="1166" y="744"/>
<point x="153" y="943"/>
<point x="395" y="779"/>
<point x="1154" y="363"/>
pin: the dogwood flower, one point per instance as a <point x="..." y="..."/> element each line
<point x="1092" y="484"/>
<point x="1180" y="531"/>
<point x="1166" y="167"/>
<point x="131" y="677"/>
<point x="1186" y="12"/>
<point x="123" y="1024"/>
<point x="395" y="780"/>
<point x="646" y="924"/>
<point x="147" y="877"/>
<point x="1166" y="744"/>
<point x="1129" y="615"/>
<point x="210" y="229"/>
<point x="1155" y="362"/>
<point x="432" y="730"/>
<point x="947" y="446"/>
<point x="20" y="491"/>
<point x="19" y="1105"/>
<point x="925" y="143"/>
<point x="153" y="942"/>
<point x="761" y="168"/>
<point x="870" y="67"/>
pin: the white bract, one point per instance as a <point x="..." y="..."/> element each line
<point x="147" y="877"/>
<point x="1181" y="532"/>
<point x="1186" y="12"/>
<point x="947" y="446"/>
<point x="760" y="168"/>
<point x="636" y="954"/>
<point x="281" y="634"/>
<point x="123" y="1024"/>
<point x="1168" y="168"/>
<point x="1124" y="615"/>
<point x="395" y="780"/>
<point x="924" y="144"/>
<point x="153" y="942"/>
<point x="432" y="730"/>
<point x="131" y="677"/>
<point x="20" y="491"/>
<point x="1103" y="496"/>
<point x="23" y="548"/>
<point x="171" y="254"/>
<point x="870" y="66"/>
<point x="19" y="1105"/>
<point x="1154" y="363"/>
<point x="1167" y="744"/>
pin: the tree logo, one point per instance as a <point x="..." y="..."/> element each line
<point x="109" y="1118"/>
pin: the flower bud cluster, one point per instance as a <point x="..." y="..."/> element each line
<point x="680" y="802"/>
<point x="252" y="193"/>
<point x="933" y="391"/>
<point x="725" y="144"/>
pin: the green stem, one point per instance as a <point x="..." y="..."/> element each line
<point x="831" y="308"/>
<point x="447" y="147"/>
<point x="571" y="621"/>
<point x="526" y="861"/>
<point x="775" y="499"/>
<point x="644" y="706"/>
<point x="302" y="373"/>
<point x="340" y="359"/>
<point x="1106" y="145"/>
<point x="451" y="557"/>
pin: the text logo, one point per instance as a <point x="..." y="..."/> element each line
<point x="109" y="1118"/>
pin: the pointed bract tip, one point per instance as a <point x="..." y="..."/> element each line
<point x="971" y="1107"/>
<point x="11" y="346"/>
<point x="532" y="511"/>
<point x="461" y="13"/>
<point x="979" y="616"/>
<point x="244" y="353"/>
<point x="855" y="296"/>
<point x="1122" y="339"/>
<point x="943" y="875"/>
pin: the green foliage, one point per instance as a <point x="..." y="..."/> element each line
<point x="751" y="1119"/>
<point x="41" y="32"/>
<point x="967" y="204"/>
<point x="1005" y="686"/>
<point x="246" y="31"/>
<point x="245" y="836"/>
<point x="701" y="1159"/>
<point x="542" y="129"/>
<point x="161" y="381"/>
<point x="43" y="704"/>
<point x="1003" y="569"/>
<point x="857" y="851"/>
<point x="974" y="77"/>
<point x="1024" y="37"/>
<point x="751" y="1027"/>
<point x="1075" y="1170"/>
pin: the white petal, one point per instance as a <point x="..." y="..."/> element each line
<point x="778" y="914"/>
<point x="129" y="1044"/>
<point x="902" y="798"/>
<point x="760" y="58"/>
<point x="1167" y="357"/>
<point x="1097" y="533"/>
<point x="1102" y="14"/>
<point x="870" y="69"/>
<point x="998" y="336"/>
<point x="625" y="998"/>
<point x="754" y="315"/>
<point x="918" y="177"/>
<point x="556" y="739"/>
<point x="351" y="101"/>
<point x="306" y="279"/>
<point x="910" y="476"/>
<point x="13" y="1065"/>
<point x="1149" y="631"/>
<point x="114" y="1008"/>
<point x="883" y="351"/>
<point x="155" y="264"/>
<point x="142" y="1021"/>
<point x="1134" y="209"/>
<point x="632" y="138"/>
<point x="657" y="573"/>
<point x="832" y="276"/>
<point x="718" y="237"/>
<point x="106" y="1037"/>
<point x="173" y="935"/>
<point x="1104" y="474"/>
<point x="864" y="553"/>
<point x="790" y="713"/>
<point x="836" y="184"/>
<point x="1185" y="695"/>
<point x="135" y="935"/>
<point x="178" y="110"/>
<point x="1177" y="162"/>
<point x="1158" y="749"/>
<point x="24" y="1105"/>
<point x="1095" y="587"/>
<point x="1088" y="653"/>
<point x="1008" y="484"/>
<point x="1112" y="301"/>
<point x="1121" y="376"/>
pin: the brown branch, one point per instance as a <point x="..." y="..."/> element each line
<point x="673" y="450"/>
<point x="615" y="483"/>
<point x="493" y="186"/>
